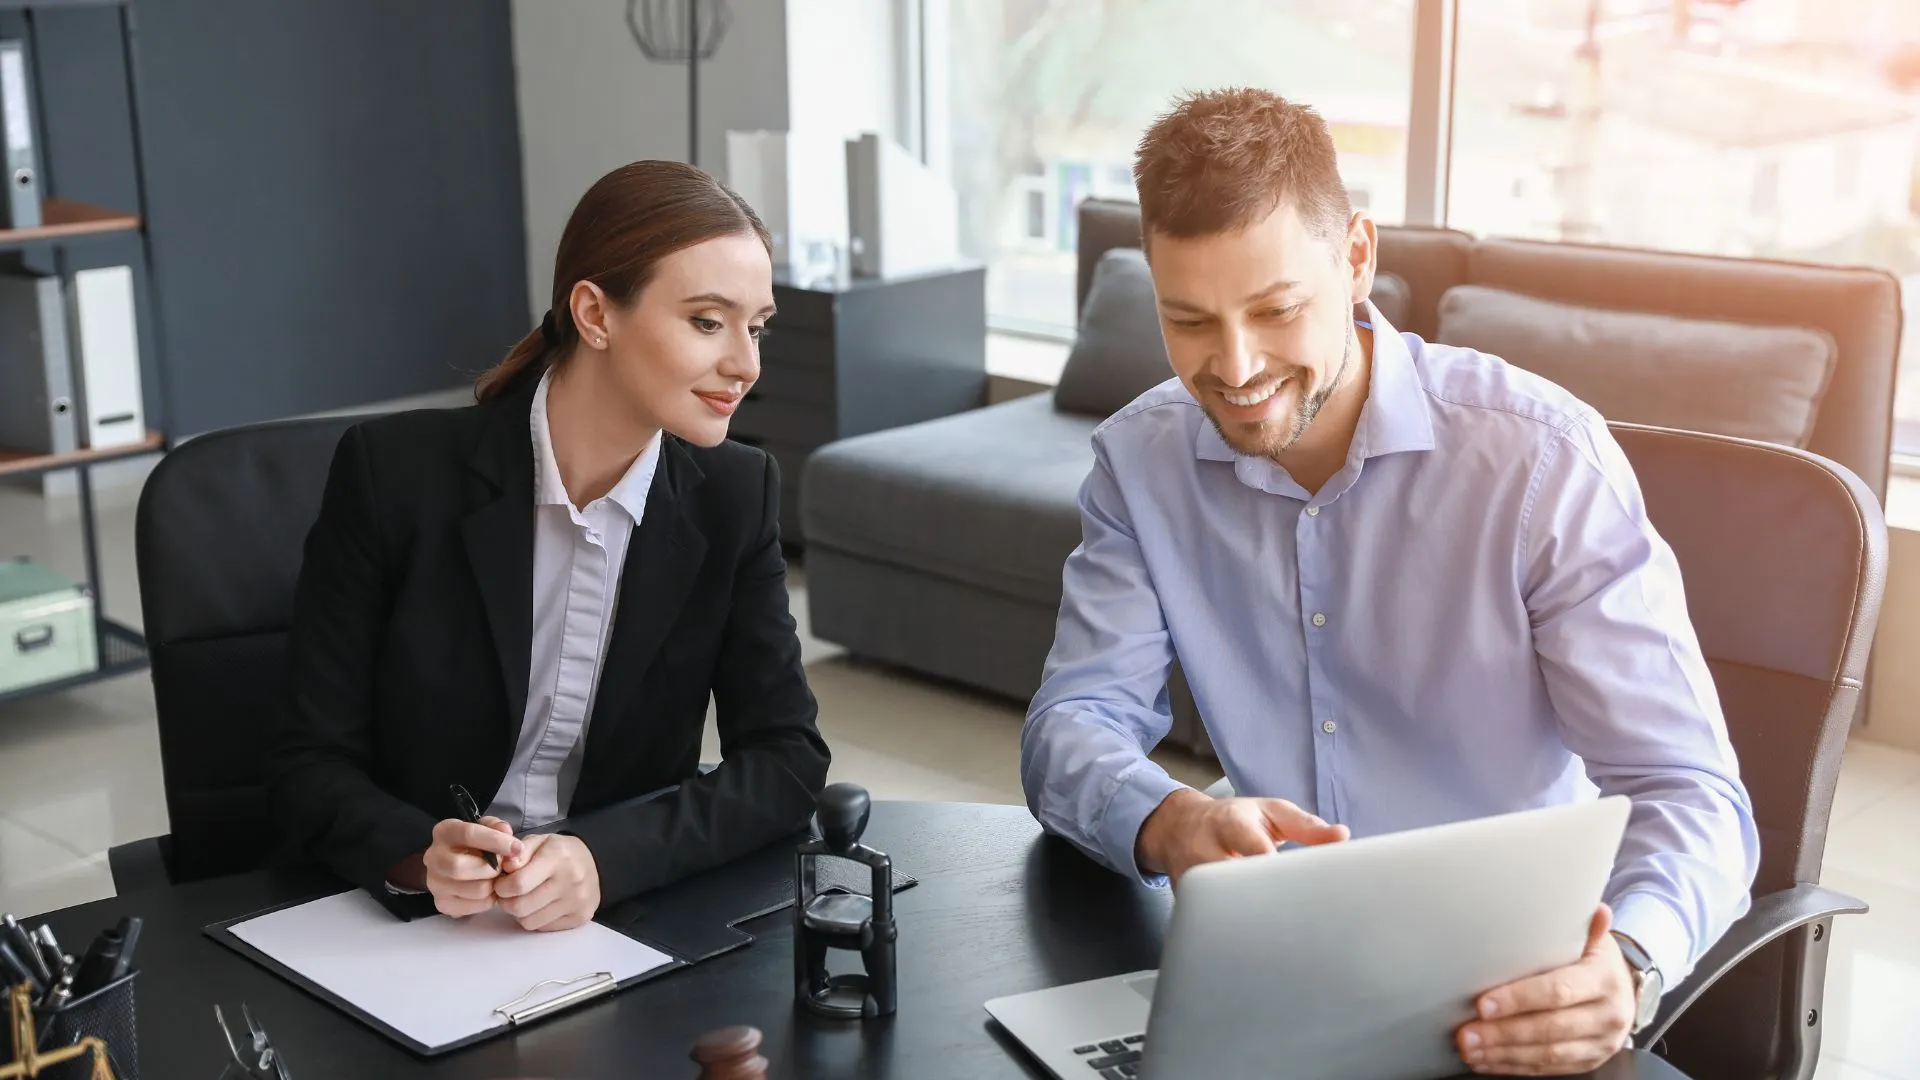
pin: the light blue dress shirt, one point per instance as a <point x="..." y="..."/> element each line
<point x="1472" y="616"/>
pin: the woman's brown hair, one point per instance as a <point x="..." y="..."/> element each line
<point x="624" y="225"/>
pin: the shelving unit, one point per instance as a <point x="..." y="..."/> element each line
<point x="122" y="649"/>
<point x="64" y="218"/>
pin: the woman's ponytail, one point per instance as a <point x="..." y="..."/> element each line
<point x="534" y="354"/>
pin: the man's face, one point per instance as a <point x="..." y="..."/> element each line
<point x="1259" y="322"/>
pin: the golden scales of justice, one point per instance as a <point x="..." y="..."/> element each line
<point x="27" y="1058"/>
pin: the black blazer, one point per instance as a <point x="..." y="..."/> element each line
<point x="412" y="640"/>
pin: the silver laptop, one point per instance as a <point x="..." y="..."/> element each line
<point x="1351" y="960"/>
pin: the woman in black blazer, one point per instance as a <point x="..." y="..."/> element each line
<point x="534" y="597"/>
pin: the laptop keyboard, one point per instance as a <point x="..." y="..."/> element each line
<point x="1115" y="1059"/>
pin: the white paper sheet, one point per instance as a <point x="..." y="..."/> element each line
<point x="436" y="980"/>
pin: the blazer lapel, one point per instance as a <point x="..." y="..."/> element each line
<point x="499" y="540"/>
<point x="663" y="560"/>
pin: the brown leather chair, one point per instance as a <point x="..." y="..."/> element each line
<point x="1784" y="555"/>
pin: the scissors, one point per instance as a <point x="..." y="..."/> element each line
<point x="266" y="1063"/>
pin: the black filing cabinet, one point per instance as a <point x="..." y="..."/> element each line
<point x="848" y="356"/>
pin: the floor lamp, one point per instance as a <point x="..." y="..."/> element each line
<point x="675" y="31"/>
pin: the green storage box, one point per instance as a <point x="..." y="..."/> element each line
<point x="46" y="626"/>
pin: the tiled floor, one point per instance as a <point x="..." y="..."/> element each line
<point x="80" y="771"/>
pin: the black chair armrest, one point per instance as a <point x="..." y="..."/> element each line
<point x="140" y="864"/>
<point x="1770" y="916"/>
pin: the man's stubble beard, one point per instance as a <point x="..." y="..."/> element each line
<point x="1268" y="443"/>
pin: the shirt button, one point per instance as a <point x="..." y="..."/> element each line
<point x="1319" y="618"/>
<point x="1313" y="511"/>
<point x="1329" y="727"/>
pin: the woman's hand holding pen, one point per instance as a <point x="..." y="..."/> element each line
<point x="459" y="874"/>
<point x="546" y="882"/>
<point x="555" y="885"/>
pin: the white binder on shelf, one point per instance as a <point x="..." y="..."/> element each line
<point x="797" y="182"/>
<point x="903" y="218"/>
<point x="109" y="347"/>
<point x="20" y="209"/>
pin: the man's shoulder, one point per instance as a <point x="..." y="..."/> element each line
<point x="1475" y="393"/>
<point x="1167" y="410"/>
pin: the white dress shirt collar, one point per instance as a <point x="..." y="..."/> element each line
<point x="630" y="494"/>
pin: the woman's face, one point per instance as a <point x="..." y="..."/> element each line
<point x="686" y="351"/>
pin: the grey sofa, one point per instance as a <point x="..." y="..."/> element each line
<point x="938" y="547"/>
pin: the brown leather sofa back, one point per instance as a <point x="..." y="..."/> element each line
<point x="1859" y="307"/>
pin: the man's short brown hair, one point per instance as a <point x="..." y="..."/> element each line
<point x="1225" y="159"/>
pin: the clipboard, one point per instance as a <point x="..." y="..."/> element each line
<point x="689" y="922"/>
<point x="540" y="1000"/>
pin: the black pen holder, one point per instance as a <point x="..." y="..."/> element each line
<point x="106" y="1014"/>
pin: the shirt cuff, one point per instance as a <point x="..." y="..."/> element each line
<point x="1652" y="922"/>
<point x="1139" y="794"/>
<point x="402" y="890"/>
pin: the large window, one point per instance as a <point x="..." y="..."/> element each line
<point x="1049" y="98"/>
<point x="1766" y="128"/>
<point x="1771" y="128"/>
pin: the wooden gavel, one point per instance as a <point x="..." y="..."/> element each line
<point x="730" y="1054"/>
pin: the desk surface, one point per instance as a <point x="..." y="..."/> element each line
<point x="999" y="910"/>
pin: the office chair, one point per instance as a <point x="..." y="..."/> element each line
<point x="219" y="537"/>
<point x="1785" y="557"/>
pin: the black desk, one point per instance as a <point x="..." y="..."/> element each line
<point x="999" y="910"/>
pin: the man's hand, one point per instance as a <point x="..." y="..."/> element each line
<point x="457" y="872"/>
<point x="556" y="886"/>
<point x="1189" y="828"/>
<point x="1565" y="1021"/>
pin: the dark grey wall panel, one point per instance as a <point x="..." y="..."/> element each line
<point x="333" y="199"/>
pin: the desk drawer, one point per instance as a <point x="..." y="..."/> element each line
<point x="776" y="420"/>
<point x="808" y="308"/>
<point x="800" y="383"/>
<point x="789" y="348"/>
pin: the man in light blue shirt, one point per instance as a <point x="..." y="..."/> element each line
<point x="1407" y="583"/>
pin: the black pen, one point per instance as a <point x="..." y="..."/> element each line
<point x="60" y="995"/>
<point x="25" y="948"/>
<point x="95" y="969"/>
<point x="129" y="931"/>
<point x="56" y="961"/>
<point x="463" y="804"/>
<point x="15" y="970"/>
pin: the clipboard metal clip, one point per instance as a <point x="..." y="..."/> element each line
<point x="585" y="986"/>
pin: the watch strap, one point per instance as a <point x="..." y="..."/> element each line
<point x="1645" y="974"/>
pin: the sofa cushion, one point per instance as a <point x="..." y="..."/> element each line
<point x="1725" y="378"/>
<point x="1391" y="295"/>
<point x="1118" y="353"/>
<point x="988" y="498"/>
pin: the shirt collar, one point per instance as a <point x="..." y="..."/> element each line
<point x="1396" y="416"/>
<point x="630" y="494"/>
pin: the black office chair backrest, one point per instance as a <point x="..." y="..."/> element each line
<point x="219" y="538"/>
<point x="1784" y="555"/>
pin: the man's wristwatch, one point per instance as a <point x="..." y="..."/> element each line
<point x="1647" y="984"/>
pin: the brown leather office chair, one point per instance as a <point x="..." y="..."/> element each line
<point x="1784" y="555"/>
